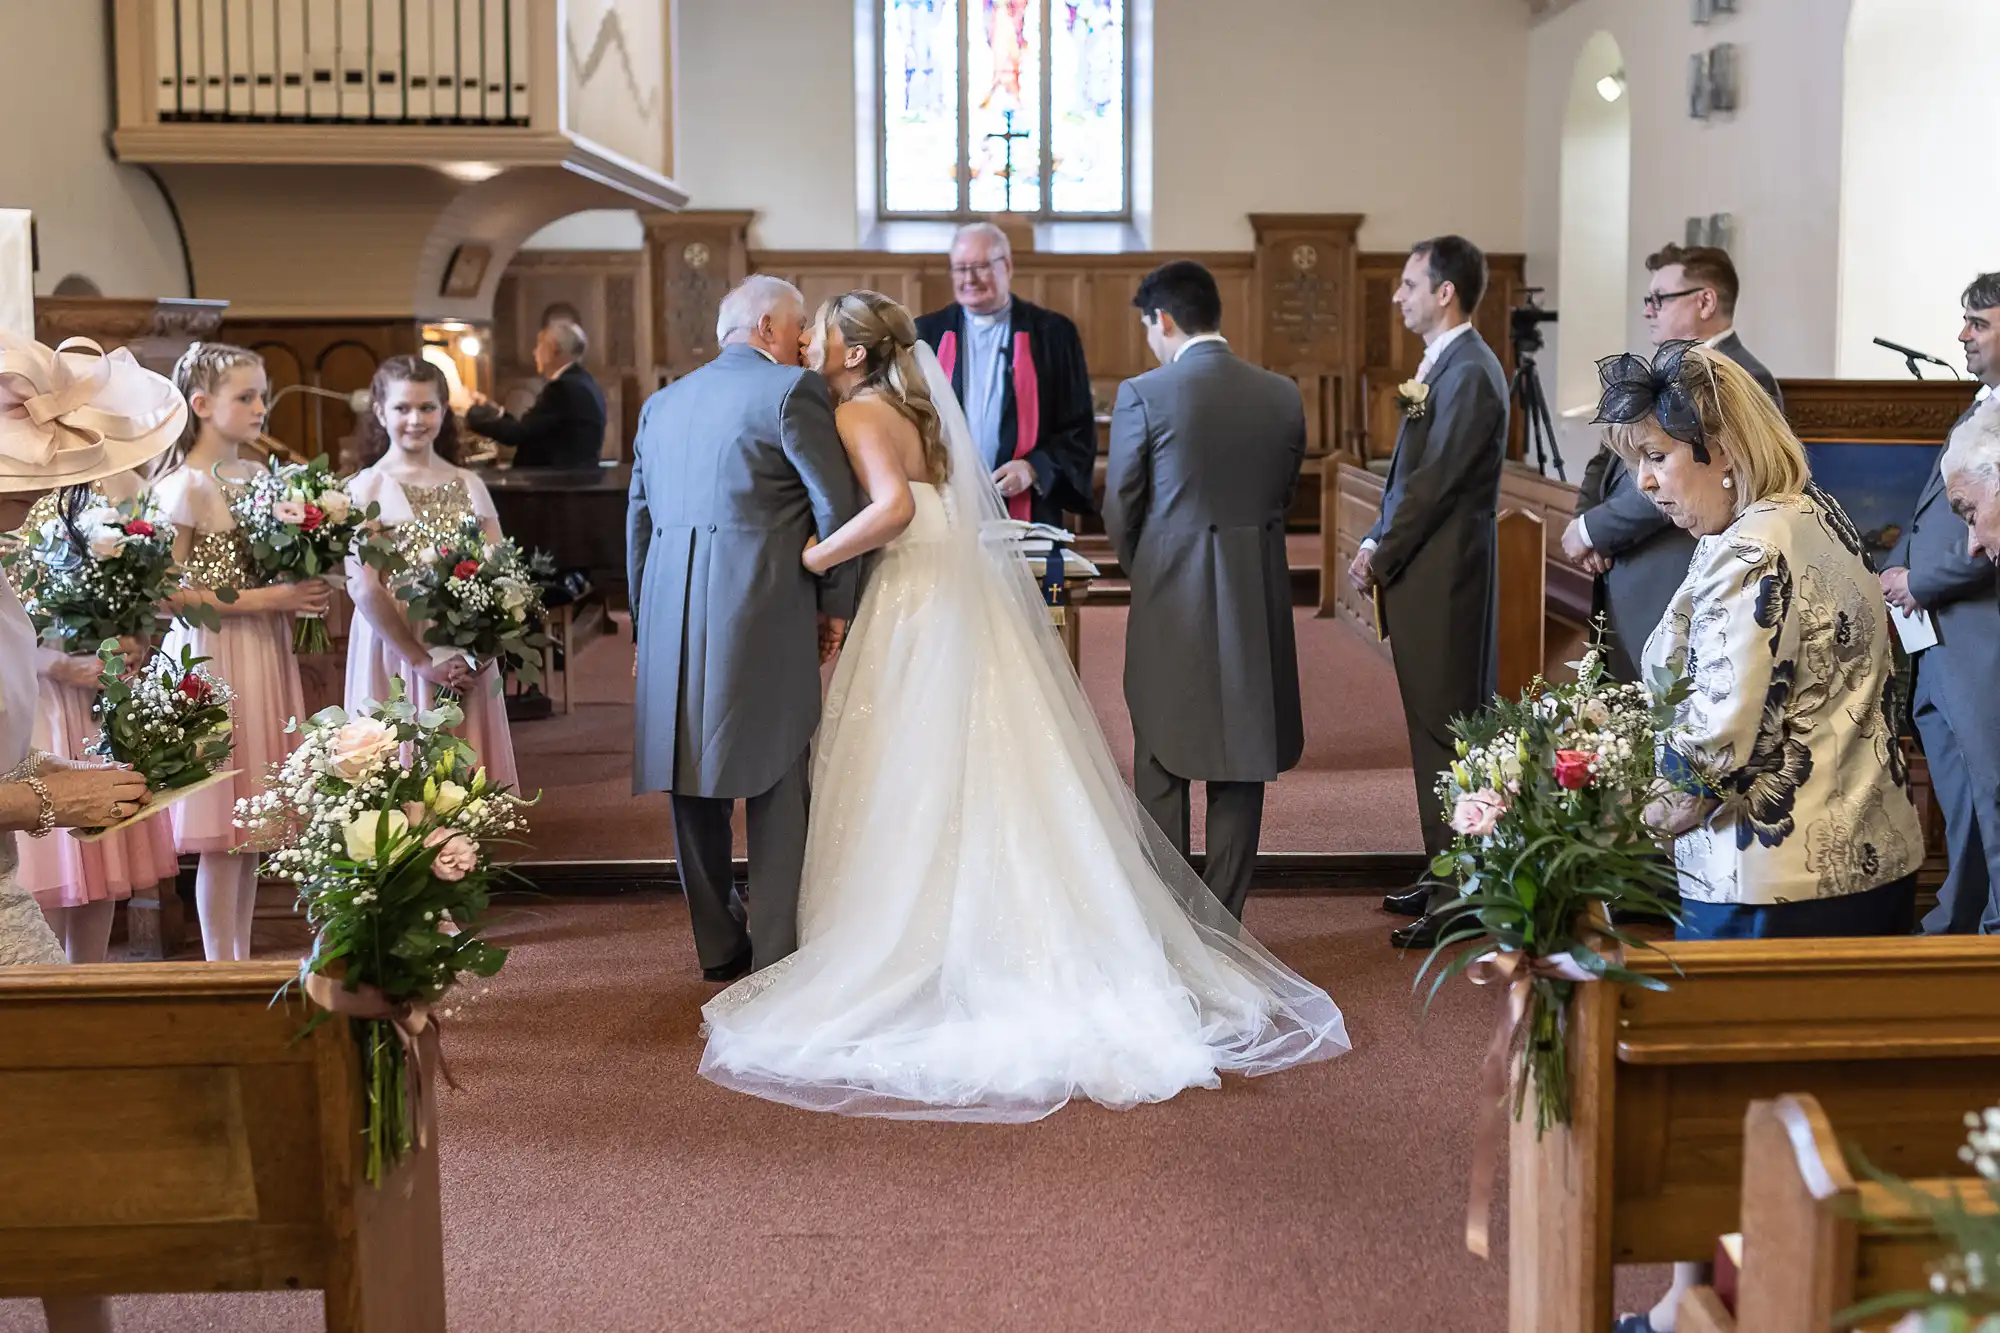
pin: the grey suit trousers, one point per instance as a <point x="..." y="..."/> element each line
<point x="1235" y="821"/>
<point x="723" y="931"/>
<point x="1971" y="807"/>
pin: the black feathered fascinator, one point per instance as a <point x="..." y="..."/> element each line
<point x="1635" y="389"/>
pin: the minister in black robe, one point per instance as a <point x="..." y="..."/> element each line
<point x="1045" y="418"/>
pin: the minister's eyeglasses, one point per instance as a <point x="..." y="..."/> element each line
<point x="1654" y="300"/>
<point x="984" y="270"/>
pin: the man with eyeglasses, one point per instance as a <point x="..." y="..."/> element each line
<point x="1638" y="555"/>
<point x="1019" y="372"/>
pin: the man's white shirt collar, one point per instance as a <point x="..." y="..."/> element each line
<point x="1435" y="347"/>
<point x="1717" y="339"/>
<point x="1200" y="338"/>
<point x="988" y="321"/>
<point x="761" y="352"/>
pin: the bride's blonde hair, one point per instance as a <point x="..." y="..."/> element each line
<point x="887" y="337"/>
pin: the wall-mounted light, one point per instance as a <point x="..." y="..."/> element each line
<point x="1612" y="86"/>
<point x="470" y="344"/>
<point x="472" y="173"/>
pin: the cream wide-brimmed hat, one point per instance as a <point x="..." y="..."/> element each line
<point x="76" y="413"/>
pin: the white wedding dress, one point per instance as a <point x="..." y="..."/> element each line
<point x="988" y="923"/>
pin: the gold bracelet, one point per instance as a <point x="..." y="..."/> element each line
<point x="45" y="818"/>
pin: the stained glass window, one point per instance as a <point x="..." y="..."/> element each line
<point x="993" y="106"/>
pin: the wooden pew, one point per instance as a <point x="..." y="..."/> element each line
<point x="1814" y="1241"/>
<point x="168" y="1130"/>
<point x="1897" y="1039"/>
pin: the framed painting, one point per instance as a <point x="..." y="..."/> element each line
<point x="1877" y="484"/>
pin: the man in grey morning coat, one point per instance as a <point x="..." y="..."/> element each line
<point x="1953" y="699"/>
<point x="1433" y="553"/>
<point x="1639" y="555"/>
<point x="734" y="468"/>
<point x="1205" y="455"/>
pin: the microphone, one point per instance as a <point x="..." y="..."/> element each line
<point x="1911" y="356"/>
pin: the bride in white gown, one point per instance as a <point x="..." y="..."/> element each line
<point x="988" y="923"/>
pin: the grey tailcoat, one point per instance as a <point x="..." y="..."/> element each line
<point x="1649" y="552"/>
<point x="1205" y="455"/>
<point x="734" y="467"/>
<point x="1435" y="542"/>
<point x="1961" y="593"/>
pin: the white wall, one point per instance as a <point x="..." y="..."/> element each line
<point x="1917" y="209"/>
<point x="1261" y="106"/>
<point x="1775" y="164"/>
<point x="92" y="216"/>
<point x="1594" y="244"/>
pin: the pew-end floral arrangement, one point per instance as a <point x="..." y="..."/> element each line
<point x="388" y="827"/>
<point x="480" y="600"/>
<point x="300" y="525"/>
<point x="1964" y="1295"/>
<point x="1550" y="847"/>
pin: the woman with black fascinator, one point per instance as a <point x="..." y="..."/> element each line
<point x="1789" y="808"/>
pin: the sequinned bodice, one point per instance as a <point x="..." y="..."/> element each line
<point x="219" y="559"/>
<point x="436" y="514"/>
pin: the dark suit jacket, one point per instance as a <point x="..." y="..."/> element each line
<point x="1963" y="598"/>
<point x="565" y="427"/>
<point x="1650" y="553"/>
<point x="1062" y="439"/>
<point x="1205" y="455"/>
<point x="1436" y="553"/>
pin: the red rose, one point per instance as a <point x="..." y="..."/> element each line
<point x="465" y="569"/>
<point x="195" y="688"/>
<point x="139" y="527"/>
<point x="1573" y="768"/>
<point x="314" y="517"/>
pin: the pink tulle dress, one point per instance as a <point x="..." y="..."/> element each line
<point x="252" y="654"/>
<point x="419" y="517"/>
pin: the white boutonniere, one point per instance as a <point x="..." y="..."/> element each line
<point x="1413" y="397"/>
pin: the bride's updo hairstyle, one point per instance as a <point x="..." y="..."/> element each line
<point x="887" y="337"/>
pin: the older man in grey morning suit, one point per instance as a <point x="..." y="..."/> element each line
<point x="1952" y="700"/>
<point x="1205" y="455"/>
<point x="1433" y="554"/>
<point x="1639" y="555"/>
<point x="734" y="468"/>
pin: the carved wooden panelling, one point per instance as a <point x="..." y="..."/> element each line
<point x="606" y="291"/>
<point x="340" y="355"/>
<point x="1888" y="411"/>
<point x="156" y="331"/>
<point x="1306" y="288"/>
<point x="696" y="257"/>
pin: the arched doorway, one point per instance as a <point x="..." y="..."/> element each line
<point x="1917" y="198"/>
<point x="1593" y="259"/>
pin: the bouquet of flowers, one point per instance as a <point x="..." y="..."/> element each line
<point x="1547" y="801"/>
<point x="300" y="525"/>
<point x="480" y="600"/>
<point x="105" y="577"/>
<point x="1965" y="1285"/>
<point x="387" y="825"/>
<point x="169" y="720"/>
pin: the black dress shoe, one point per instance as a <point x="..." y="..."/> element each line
<point x="1410" y="902"/>
<point x="1423" y="933"/>
<point x="732" y="970"/>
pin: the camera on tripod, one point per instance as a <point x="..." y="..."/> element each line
<point x="1524" y="323"/>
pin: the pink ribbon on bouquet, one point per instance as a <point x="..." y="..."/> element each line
<point x="419" y="1032"/>
<point x="1518" y="973"/>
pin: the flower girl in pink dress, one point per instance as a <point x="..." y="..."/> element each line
<point x="411" y="439"/>
<point x="252" y="652"/>
<point x="79" y="885"/>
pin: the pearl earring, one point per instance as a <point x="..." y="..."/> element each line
<point x="1729" y="483"/>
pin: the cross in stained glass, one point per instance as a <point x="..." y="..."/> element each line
<point x="1007" y="138"/>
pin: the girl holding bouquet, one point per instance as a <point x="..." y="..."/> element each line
<point x="252" y="652"/>
<point x="79" y="884"/>
<point x="411" y="440"/>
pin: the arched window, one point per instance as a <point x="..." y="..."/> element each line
<point x="1004" y="106"/>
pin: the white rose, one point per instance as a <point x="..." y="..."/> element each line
<point x="1595" y="712"/>
<point x="362" y="831"/>
<point x="1413" y="391"/>
<point x="335" y="504"/>
<point x="450" y="796"/>
<point x="98" y="516"/>
<point x="106" y="542"/>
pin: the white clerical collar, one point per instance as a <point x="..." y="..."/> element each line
<point x="1716" y="341"/>
<point x="1200" y="338"/>
<point x="1435" y="347"/>
<point x="988" y="321"/>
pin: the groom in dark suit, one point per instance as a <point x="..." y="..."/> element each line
<point x="1433" y="554"/>
<point x="1637" y="553"/>
<point x="1205" y="455"/>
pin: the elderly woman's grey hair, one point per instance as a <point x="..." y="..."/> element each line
<point x="1002" y="247"/>
<point x="568" y="336"/>
<point x="749" y="301"/>
<point x="1974" y="450"/>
